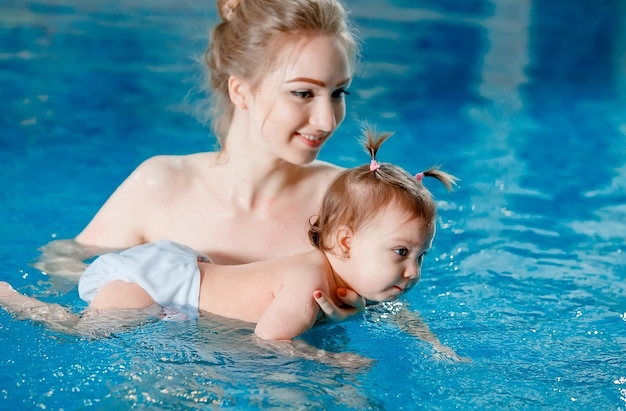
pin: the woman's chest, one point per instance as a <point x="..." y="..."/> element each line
<point x="235" y="239"/>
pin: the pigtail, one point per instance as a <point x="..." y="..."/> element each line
<point x="371" y="140"/>
<point x="446" y="179"/>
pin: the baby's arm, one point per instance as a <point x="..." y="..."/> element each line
<point x="301" y="349"/>
<point x="292" y="312"/>
<point x="410" y="322"/>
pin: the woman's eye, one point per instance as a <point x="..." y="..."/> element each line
<point x="340" y="93"/>
<point x="302" y="94"/>
<point x="403" y="252"/>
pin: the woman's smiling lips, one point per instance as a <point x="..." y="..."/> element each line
<point x="311" y="140"/>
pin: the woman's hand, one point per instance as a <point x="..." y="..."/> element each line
<point x="354" y="304"/>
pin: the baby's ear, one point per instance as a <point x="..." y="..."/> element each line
<point x="343" y="238"/>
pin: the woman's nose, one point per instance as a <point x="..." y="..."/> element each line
<point x="324" y="116"/>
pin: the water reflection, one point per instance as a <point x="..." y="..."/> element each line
<point x="217" y="362"/>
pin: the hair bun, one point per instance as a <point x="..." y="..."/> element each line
<point x="227" y="8"/>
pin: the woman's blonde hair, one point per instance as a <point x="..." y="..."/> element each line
<point x="250" y="36"/>
<point x="357" y="195"/>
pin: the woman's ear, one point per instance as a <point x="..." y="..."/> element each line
<point x="238" y="92"/>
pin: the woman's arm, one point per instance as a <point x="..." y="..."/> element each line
<point x="67" y="258"/>
<point x="119" y="224"/>
<point x="121" y="221"/>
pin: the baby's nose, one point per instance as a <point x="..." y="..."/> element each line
<point x="412" y="270"/>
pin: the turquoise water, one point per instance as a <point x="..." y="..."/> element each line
<point x="523" y="100"/>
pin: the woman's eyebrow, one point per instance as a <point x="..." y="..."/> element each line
<point x="316" y="82"/>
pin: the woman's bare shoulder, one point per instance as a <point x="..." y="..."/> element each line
<point x="321" y="165"/>
<point x="323" y="170"/>
<point x="173" y="165"/>
<point x="137" y="206"/>
<point x="168" y="170"/>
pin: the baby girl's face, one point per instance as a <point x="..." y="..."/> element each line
<point x="388" y="254"/>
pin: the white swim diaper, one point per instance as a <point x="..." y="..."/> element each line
<point x="167" y="271"/>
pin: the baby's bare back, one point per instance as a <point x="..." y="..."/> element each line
<point x="245" y="292"/>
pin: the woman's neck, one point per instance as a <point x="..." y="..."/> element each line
<point x="253" y="178"/>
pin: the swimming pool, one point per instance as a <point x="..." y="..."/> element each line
<point x="524" y="100"/>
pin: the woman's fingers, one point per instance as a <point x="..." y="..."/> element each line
<point x="354" y="304"/>
<point x="351" y="299"/>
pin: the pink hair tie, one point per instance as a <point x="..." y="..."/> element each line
<point x="419" y="177"/>
<point x="374" y="165"/>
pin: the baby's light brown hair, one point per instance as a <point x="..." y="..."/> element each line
<point x="358" y="194"/>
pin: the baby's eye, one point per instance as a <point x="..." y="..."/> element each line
<point x="340" y="93"/>
<point x="303" y="94"/>
<point x="403" y="252"/>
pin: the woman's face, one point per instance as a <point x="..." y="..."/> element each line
<point x="299" y="104"/>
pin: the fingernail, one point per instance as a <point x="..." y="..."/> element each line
<point x="317" y="294"/>
<point x="341" y="292"/>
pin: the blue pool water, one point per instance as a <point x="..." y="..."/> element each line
<point x="525" y="101"/>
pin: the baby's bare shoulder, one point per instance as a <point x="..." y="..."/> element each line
<point x="311" y="270"/>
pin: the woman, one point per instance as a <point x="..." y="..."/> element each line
<point x="278" y="74"/>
